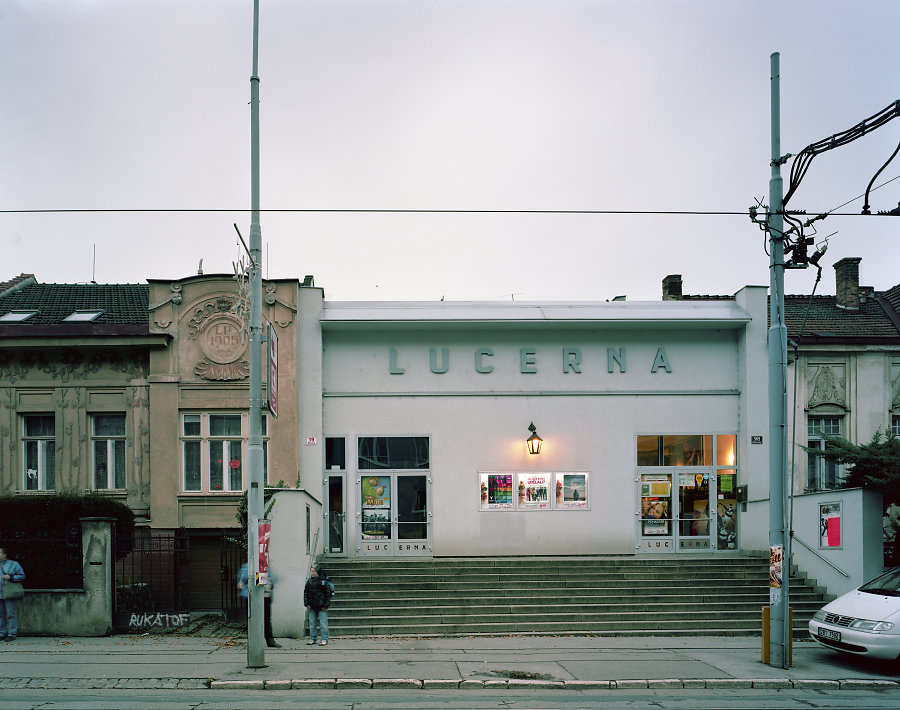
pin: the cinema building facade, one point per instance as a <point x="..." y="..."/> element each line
<point x="652" y="419"/>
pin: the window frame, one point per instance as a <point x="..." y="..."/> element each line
<point x="204" y="443"/>
<point x="114" y="442"/>
<point x="818" y="470"/>
<point x="44" y="452"/>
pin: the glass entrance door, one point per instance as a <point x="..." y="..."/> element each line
<point x="694" y="521"/>
<point x="677" y="511"/>
<point x="336" y="517"/>
<point x="395" y="515"/>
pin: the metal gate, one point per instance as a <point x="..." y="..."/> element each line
<point x="232" y="557"/>
<point x="151" y="582"/>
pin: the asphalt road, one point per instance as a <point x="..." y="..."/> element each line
<point x="25" y="699"/>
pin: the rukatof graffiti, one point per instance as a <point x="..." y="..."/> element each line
<point x="160" y="620"/>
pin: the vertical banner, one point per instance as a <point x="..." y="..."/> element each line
<point x="273" y="371"/>
<point x="265" y="529"/>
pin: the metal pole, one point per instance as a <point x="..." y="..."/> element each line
<point x="255" y="643"/>
<point x="779" y="633"/>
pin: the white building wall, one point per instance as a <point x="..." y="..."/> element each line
<point x="421" y="378"/>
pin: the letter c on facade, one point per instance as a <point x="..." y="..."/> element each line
<point x="480" y="354"/>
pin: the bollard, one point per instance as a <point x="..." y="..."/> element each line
<point x="766" y="615"/>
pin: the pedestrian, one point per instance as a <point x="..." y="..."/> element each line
<point x="11" y="577"/>
<point x="244" y="592"/>
<point x="316" y="598"/>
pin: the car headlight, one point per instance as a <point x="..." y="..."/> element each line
<point x="864" y="625"/>
<point x="819" y="615"/>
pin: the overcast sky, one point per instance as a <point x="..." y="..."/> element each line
<point x="440" y="105"/>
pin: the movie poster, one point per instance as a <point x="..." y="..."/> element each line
<point x="496" y="491"/>
<point x="534" y="491"/>
<point x="571" y="490"/>
<point x="376" y="507"/>
<point x="829" y="525"/>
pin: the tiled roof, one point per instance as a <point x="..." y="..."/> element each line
<point x="122" y="304"/>
<point x="820" y="318"/>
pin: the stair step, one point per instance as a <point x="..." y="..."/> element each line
<point x="596" y="596"/>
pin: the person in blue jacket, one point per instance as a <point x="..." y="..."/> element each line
<point x="244" y="592"/>
<point x="10" y="571"/>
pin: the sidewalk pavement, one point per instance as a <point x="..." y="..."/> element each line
<point x="566" y="662"/>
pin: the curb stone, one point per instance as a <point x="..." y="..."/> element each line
<point x="238" y="684"/>
<point x="729" y="683"/>
<point x="278" y="685"/>
<point x="817" y="684"/>
<point x="320" y="683"/>
<point x="396" y="683"/>
<point x="536" y="684"/>
<point x="772" y="683"/>
<point x="445" y="683"/>
<point x="868" y="684"/>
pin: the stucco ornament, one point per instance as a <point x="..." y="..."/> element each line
<point x="826" y="388"/>
<point x="220" y="340"/>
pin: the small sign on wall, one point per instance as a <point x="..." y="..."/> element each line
<point x="311" y="441"/>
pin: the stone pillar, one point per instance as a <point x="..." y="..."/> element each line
<point x="98" y="576"/>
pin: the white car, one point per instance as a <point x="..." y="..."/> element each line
<point x="865" y="621"/>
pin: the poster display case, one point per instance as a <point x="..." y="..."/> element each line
<point x="542" y="490"/>
<point x="829" y="525"/>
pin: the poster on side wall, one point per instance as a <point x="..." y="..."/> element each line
<point x="496" y="491"/>
<point x="829" y="525"/>
<point x="571" y="490"/>
<point x="534" y="491"/>
<point x="376" y="507"/>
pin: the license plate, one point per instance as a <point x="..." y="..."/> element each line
<point x="829" y="634"/>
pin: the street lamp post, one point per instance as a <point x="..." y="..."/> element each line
<point x="255" y="646"/>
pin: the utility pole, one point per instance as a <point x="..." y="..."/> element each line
<point x="779" y="619"/>
<point x="256" y="657"/>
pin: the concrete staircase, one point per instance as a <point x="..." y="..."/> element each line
<point x="688" y="596"/>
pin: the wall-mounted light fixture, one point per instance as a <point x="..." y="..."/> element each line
<point x="534" y="441"/>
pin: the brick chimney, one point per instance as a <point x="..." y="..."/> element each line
<point x="847" y="283"/>
<point x="671" y="288"/>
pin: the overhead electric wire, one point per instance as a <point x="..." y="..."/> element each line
<point x="146" y="210"/>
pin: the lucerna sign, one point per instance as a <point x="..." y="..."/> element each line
<point x="571" y="360"/>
